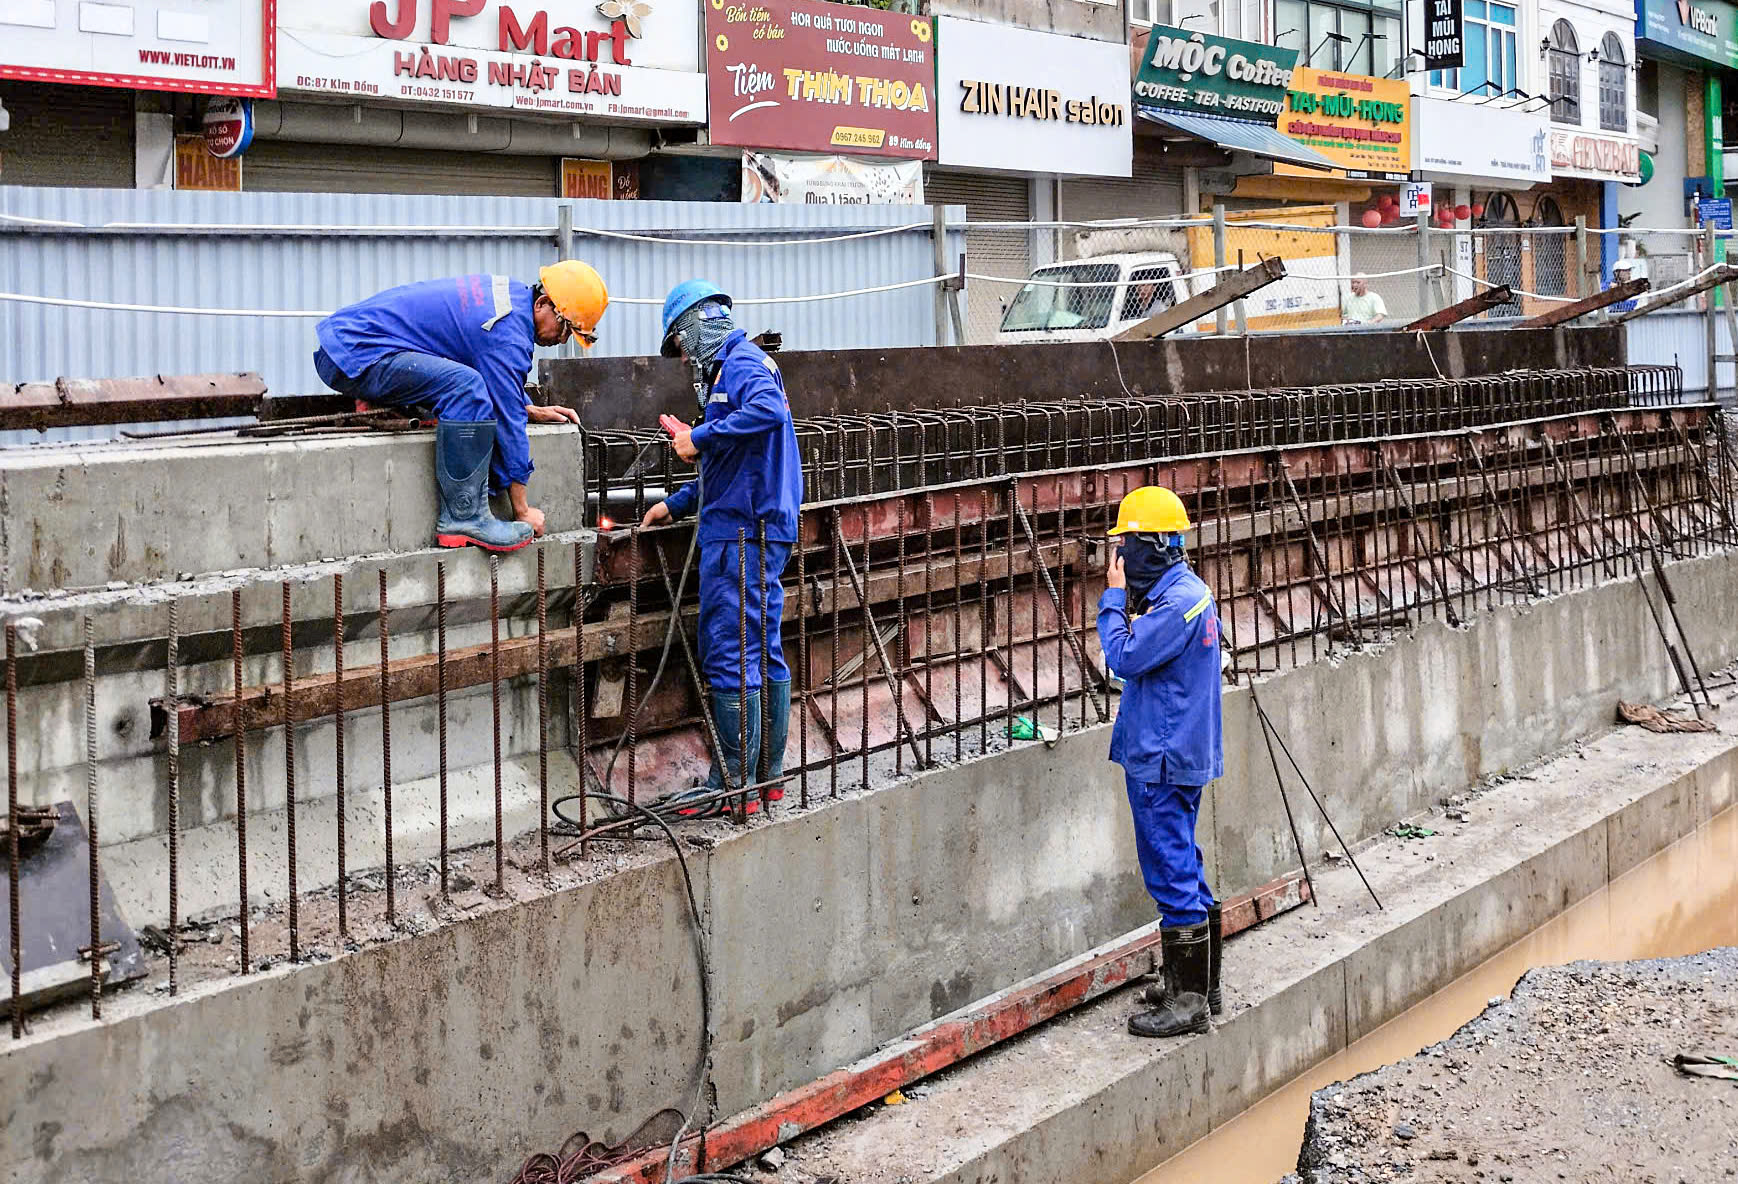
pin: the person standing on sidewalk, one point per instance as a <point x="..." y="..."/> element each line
<point x="1159" y="628"/>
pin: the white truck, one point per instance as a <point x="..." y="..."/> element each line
<point x="1123" y="274"/>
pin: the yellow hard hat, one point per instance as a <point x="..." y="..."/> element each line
<point x="578" y="293"/>
<point x="1151" y="509"/>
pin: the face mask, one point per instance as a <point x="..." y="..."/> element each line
<point x="1145" y="559"/>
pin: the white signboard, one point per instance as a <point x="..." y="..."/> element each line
<point x="216" y="47"/>
<point x="620" y="60"/>
<point x="1031" y="102"/>
<point x="1414" y="199"/>
<point x="1473" y="140"/>
<point x="1599" y="158"/>
<point x="830" y="180"/>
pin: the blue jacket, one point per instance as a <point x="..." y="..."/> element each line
<point x="1167" y="728"/>
<point x="480" y="321"/>
<point x="748" y="452"/>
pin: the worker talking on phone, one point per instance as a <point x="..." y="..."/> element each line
<point x="1159" y="628"/>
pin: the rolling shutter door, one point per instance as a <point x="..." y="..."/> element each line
<point x="280" y="166"/>
<point x="1155" y="191"/>
<point x="67" y="135"/>
<point x="988" y="252"/>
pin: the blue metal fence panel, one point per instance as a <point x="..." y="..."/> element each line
<point x="166" y="248"/>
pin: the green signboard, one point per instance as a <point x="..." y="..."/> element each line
<point x="1699" y="30"/>
<point x="1201" y="74"/>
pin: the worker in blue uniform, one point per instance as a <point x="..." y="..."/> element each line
<point x="750" y="487"/>
<point x="1159" y="628"/>
<point x="462" y="348"/>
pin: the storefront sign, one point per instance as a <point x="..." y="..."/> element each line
<point x="228" y="127"/>
<point x="819" y="77"/>
<point x="196" y="168"/>
<point x="1414" y="199"/>
<point x="626" y="60"/>
<point x="1465" y="139"/>
<point x="1701" y="30"/>
<point x="1201" y="74"/>
<point x="1444" y="35"/>
<point x="1597" y="157"/>
<point x="219" y="47"/>
<point x="830" y="180"/>
<point x="1363" y="124"/>
<point x="599" y="180"/>
<point x="1012" y="98"/>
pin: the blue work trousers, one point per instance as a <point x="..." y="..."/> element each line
<point x="1171" y="864"/>
<point x="732" y="602"/>
<point x="454" y="391"/>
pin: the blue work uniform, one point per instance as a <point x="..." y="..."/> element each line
<point x="461" y="346"/>
<point x="752" y="475"/>
<point x="1167" y="735"/>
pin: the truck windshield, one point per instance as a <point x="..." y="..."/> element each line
<point x="1040" y="306"/>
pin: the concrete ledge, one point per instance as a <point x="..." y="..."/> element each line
<point x="1082" y="1101"/>
<point x="84" y="515"/>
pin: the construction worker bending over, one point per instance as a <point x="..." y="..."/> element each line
<point x="751" y="480"/>
<point x="462" y="348"/>
<point x="1160" y="631"/>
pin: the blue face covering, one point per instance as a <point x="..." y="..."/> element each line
<point x="1145" y="558"/>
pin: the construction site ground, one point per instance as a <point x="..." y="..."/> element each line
<point x="1572" y="1077"/>
<point x="1081" y="1100"/>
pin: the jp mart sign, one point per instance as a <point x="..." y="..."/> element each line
<point x="626" y="60"/>
<point x="1362" y="124"/>
<point x="1699" y="30"/>
<point x="216" y="47"/>
<point x="1598" y="158"/>
<point x="1016" y="99"/>
<point x="811" y="76"/>
<point x="1199" y="74"/>
<point x="1506" y="148"/>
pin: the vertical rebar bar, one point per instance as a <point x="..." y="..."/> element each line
<point x="172" y="695"/>
<point x="386" y="749"/>
<point x="931" y="716"/>
<point x="289" y="685"/>
<point x="762" y="758"/>
<point x="581" y="725"/>
<point x="235" y="648"/>
<point x="495" y="710"/>
<point x="901" y="644"/>
<point x="1008" y="665"/>
<point x="833" y="669"/>
<point x="804" y="607"/>
<point x="633" y="721"/>
<point x="959" y="648"/>
<point x="871" y="640"/>
<point x="441" y="717"/>
<point x="15" y="933"/>
<point x="543" y="710"/>
<point x="743" y="780"/>
<point x="984" y="640"/>
<point x="338" y="742"/>
<point x="90" y="792"/>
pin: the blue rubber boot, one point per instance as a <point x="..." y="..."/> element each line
<point x="778" y="731"/>
<point x="727" y="714"/>
<point x="462" y="454"/>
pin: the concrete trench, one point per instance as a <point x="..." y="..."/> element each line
<point x="837" y="929"/>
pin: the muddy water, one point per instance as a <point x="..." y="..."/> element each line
<point x="1682" y="901"/>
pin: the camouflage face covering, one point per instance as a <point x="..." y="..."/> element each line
<point x="702" y="329"/>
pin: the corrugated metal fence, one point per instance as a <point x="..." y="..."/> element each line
<point x="303" y="251"/>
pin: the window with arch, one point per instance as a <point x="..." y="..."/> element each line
<point x="1613" y="84"/>
<point x="1563" y="55"/>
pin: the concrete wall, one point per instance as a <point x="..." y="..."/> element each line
<point x="831" y="931"/>
<point x="73" y="517"/>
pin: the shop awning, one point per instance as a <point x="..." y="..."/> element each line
<point x="1239" y="135"/>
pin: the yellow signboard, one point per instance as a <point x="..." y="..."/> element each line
<point x="1362" y="124"/>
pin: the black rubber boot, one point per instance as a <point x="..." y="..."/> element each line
<point x="1188" y="952"/>
<point x="1160" y="992"/>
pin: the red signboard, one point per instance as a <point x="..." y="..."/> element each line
<point x="818" y="77"/>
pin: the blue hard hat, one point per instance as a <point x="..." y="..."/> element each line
<point x="683" y="297"/>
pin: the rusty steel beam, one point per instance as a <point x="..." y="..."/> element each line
<point x="419" y="676"/>
<point x="936" y="1046"/>
<point x="1231" y="288"/>
<point x="1455" y="313"/>
<point x="1563" y="313"/>
<point x="82" y="402"/>
<point x="1724" y="273"/>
